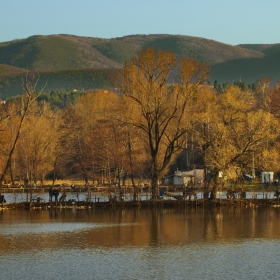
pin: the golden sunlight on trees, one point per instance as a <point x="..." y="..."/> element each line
<point x="71" y="144"/>
<point x="108" y="144"/>
<point x="102" y="133"/>
<point x="94" y="137"/>
<point x="28" y="86"/>
<point x="135" y="144"/>
<point x="263" y="94"/>
<point x="162" y="109"/>
<point x="161" y="86"/>
<point x="233" y="135"/>
<point x="275" y="101"/>
<point x="35" y="150"/>
<point x="8" y="124"/>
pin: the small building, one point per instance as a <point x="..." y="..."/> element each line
<point x="184" y="178"/>
<point x="267" y="177"/>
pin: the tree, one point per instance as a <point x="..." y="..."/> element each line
<point x="232" y="134"/>
<point x="72" y="143"/>
<point x="35" y="151"/>
<point x="146" y="80"/>
<point x="275" y="101"/>
<point x="8" y="122"/>
<point x="28" y="83"/>
<point x="93" y="136"/>
<point x="263" y="94"/>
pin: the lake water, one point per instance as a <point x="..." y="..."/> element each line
<point x="176" y="243"/>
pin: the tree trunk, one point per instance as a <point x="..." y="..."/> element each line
<point x="155" y="177"/>
<point x="155" y="190"/>
<point x="12" y="174"/>
<point x="215" y="186"/>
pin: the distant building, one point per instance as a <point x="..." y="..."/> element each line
<point x="184" y="178"/>
<point x="267" y="177"/>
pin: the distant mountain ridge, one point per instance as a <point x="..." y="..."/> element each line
<point x="75" y="55"/>
<point x="61" y="52"/>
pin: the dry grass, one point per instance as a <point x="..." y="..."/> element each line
<point x="79" y="182"/>
<point x="65" y="182"/>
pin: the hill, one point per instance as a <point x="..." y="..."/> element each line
<point x="6" y="70"/>
<point x="68" y="62"/>
<point x="67" y="80"/>
<point x="250" y="69"/>
<point x="61" y="52"/>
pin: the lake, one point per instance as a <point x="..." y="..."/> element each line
<point x="172" y="243"/>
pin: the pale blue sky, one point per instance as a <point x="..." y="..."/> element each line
<point x="227" y="21"/>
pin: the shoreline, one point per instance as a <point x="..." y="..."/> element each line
<point x="114" y="197"/>
<point x="238" y="202"/>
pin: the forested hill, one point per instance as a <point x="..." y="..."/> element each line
<point x="63" y="52"/>
<point x="69" y="62"/>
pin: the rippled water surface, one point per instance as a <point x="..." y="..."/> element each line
<point x="203" y="243"/>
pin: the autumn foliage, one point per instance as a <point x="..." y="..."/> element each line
<point x="160" y="107"/>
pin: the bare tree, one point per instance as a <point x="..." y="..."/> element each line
<point x="146" y="80"/>
<point x="28" y="82"/>
<point x="263" y="94"/>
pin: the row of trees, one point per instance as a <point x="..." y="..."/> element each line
<point x="160" y="108"/>
<point x="221" y="88"/>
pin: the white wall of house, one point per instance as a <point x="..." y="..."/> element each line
<point x="267" y="177"/>
<point x="183" y="178"/>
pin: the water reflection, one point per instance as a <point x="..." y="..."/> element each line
<point x="141" y="243"/>
<point x="136" y="227"/>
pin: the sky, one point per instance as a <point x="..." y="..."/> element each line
<point x="227" y="21"/>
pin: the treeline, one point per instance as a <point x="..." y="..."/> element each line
<point x="87" y="134"/>
<point x="139" y="131"/>
<point x="71" y="133"/>
<point x="243" y="85"/>
<point x="60" y="99"/>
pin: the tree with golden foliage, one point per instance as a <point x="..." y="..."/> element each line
<point x="161" y="86"/>
<point x="233" y="134"/>
<point x="274" y="104"/>
<point x="28" y="83"/>
<point x="35" y="150"/>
